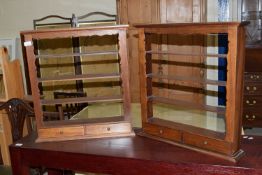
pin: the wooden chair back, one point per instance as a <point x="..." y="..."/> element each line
<point x="18" y="110"/>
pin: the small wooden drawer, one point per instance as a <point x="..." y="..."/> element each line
<point x="252" y="101"/>
<point x="253" y="77"/>
<point x="253" y="88"/>
<point x="60" y="132"/>
<point x="163" y="132"/>
<point x="252" y="115"/>
<point x="107" y="128"/>
<point x="211" y="144"/>
<point x="252" y="120"/>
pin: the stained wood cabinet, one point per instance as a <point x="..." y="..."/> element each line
<point x="170" y="110"/>
<point x="82" y="125"/>
<point x="156" y="11"/>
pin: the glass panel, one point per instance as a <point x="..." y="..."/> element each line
<point x="251" y="11"/>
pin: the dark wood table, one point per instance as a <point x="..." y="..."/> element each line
<point x="130" y="156"/>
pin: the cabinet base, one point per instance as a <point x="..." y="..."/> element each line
<point x="232" y="158"/>
<point x="85" y="131"/>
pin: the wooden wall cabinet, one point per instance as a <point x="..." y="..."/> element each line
<point x="165" y="111"/>
<point x="11" y="87"/>
<point x="81" y="127"/>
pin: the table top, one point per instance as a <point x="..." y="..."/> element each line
<point x="138" y="147"/>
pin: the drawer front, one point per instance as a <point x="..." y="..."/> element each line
<point x="107" y="128"/>
<point x="252" y="120"/>
<point x="252" y="117"/>
<point x="253" y="77"/>
<point x="253" y="89"/>
<point x="252" y="101"/>
<point x="256" y="112"/>
<point x="61" y="132"/>
<point x="163" y="132"/>
<point x="207" y="143"/>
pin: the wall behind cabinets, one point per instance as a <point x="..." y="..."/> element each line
<point x="17" y="15"/>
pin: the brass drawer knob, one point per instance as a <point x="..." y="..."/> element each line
<point x="254" y="76"/>
<point x="254" y="88"/>
<point x="205" y="142"/>
<point x="251" y="104"/>
<point x="253" y="117"/>
<point x="160" y="131"/>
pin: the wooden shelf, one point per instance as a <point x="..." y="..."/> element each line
<point x="188" y="79"/>
<point x="77" y="54"/>
<point x="116" y="98"/>
<point x="219" y="110"/>
<point x="80" y="77"/>
<point x="186" y="54"/>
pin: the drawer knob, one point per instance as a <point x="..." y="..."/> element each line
<point x="160" y="131"/>
<point x="251" y="104"/>
<point x="254" y="76"/>
<point x="254" y="88"/>
<point x="205" y="142"/>
<point x="61" y="132"/>
<point x="108" y="128"/>
<point x="253" y="117"/>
